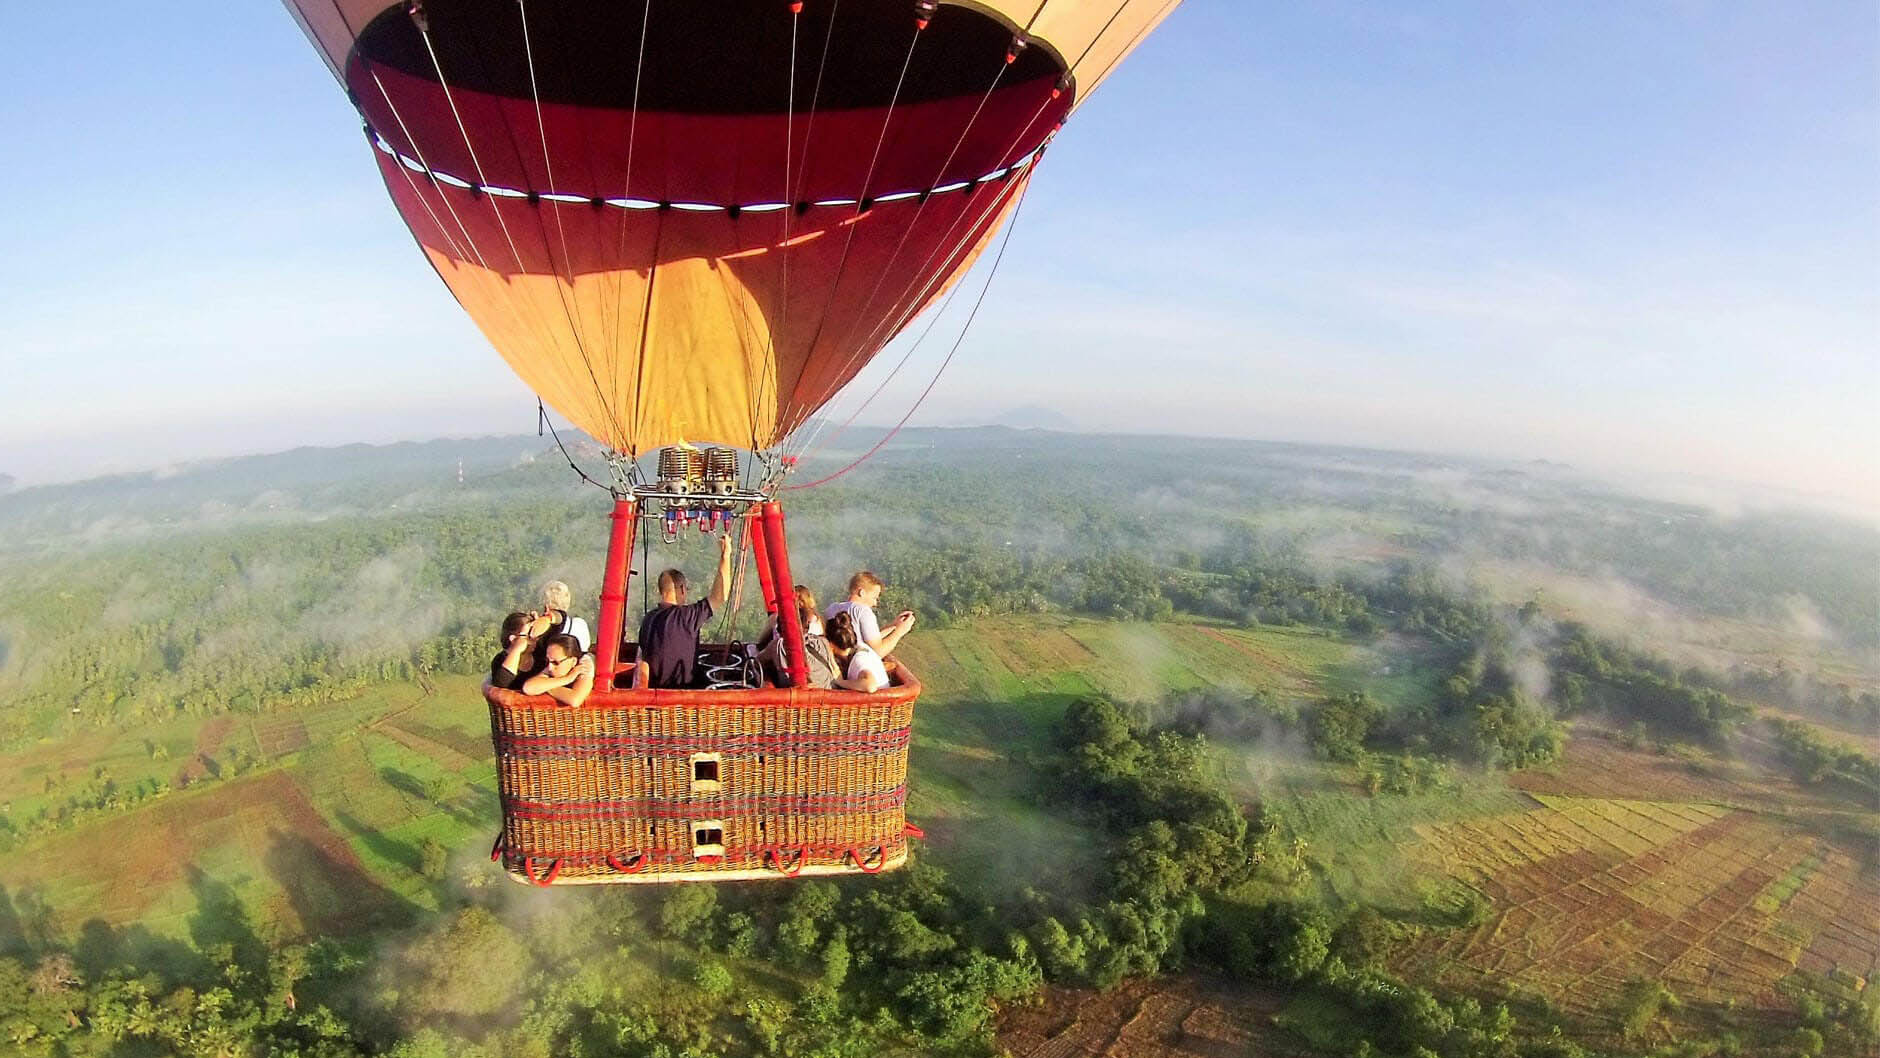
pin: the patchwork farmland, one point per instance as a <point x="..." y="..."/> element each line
<point x="1587" y="894"/>
<point x="1616" y="863"/>
<point x="314" y="819"/>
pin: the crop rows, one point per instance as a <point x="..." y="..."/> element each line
<point x="1586" y="894"/>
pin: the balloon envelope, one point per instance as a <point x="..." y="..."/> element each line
<point x="695" y="220"/>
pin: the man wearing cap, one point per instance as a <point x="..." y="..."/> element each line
<point x="864" y="592"/>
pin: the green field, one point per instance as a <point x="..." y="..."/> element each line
<point x="314" y="820"/>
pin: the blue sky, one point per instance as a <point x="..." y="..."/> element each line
<point x="1629" y="236"/>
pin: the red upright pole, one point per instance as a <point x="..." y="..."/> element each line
<point x="787" y="621"/>
<point x="760" y="550"/>
<point x="614" y="591"/>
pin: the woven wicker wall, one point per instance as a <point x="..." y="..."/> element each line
<point x="807" y="781"/>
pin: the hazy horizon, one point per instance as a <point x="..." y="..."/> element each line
<point x="1721" y="496"/>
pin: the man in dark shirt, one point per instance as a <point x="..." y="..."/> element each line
<point x="669" y="632"/>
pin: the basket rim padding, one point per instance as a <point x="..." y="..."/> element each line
<point x="904" y="688"/>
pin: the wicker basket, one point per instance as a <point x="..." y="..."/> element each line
<point x="671" y="786"/>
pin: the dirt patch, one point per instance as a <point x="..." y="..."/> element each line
<point x="202" y="760"/>
<point x="1275" y="663"/>
<point x="1179" y="1017"/>
<point x="281" y="737"/>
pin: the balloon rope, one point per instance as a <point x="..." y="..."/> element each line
<point x="953" y="251"/>
<point x="891" y="325"/>
<point x="340" y="14"/>
<point x="907" y="230"/>
<point x="910" y="310"/>
<point x="620" y="242"/>
<point x="544" y="326"/>
<point x="405" y="131"/>
<point x="848" y="243"/>
<point x="425" y="165"/>
<point x="542" y="416"/>
<point x="1143" y="31"/>
<point x="815" y="96"/>
<point x="932" y="321"/>
<point x="563" y="292"/>
<point x="475" y="162"/>
<point x="516" y="305"/>
<point x="783" y="249"/>
<point x="1004" y="241"/>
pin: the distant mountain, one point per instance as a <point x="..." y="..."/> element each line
<point x="1026" y="417"/>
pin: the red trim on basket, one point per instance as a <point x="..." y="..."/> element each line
<point x="737" y="854"/>
<point x="832" y="804"/>
<point x="893" y="738"/>
<point x="905" y="691"/>
<point x="528" y="871"/>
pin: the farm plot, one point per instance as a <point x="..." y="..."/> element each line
<point x="257" y="837"/>
<point x="1596" y="764"/>
<point x="1587" y="893"/>
<point x="1170" y="1018"/>
<point x="321" y="836"/>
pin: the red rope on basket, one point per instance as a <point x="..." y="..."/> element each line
<point x="496" y="850"/>
<point x="546" y="880"/>
<point x="861" y="864"/>
<point x="912" y="831"/>
<point x="775" y="854"/>
<point x="640" y="860"/>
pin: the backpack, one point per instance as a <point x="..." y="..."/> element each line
<point x="822" y="663"/>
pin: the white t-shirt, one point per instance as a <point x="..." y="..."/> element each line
<point x="866" y="660"/>
<point x="867" y="629"/>
<point x="578" y="628"/>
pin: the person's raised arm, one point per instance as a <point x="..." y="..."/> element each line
<point x="512" y="657"/>
<point x="721" y="585"/>
<point x="891" y="636"/>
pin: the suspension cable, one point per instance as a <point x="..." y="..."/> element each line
<point x="562" y="292"/>
<point x="422" y="23"/>
<point x="910" y="307"/>
<point x="952" y="253"/>
<point x="783" y="250"/>
<point x="620" y="243"/>
<point x="1004" y="241"/>
<point x="541" y="412"/>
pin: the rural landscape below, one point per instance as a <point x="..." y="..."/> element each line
<point x="1225" y="748"/>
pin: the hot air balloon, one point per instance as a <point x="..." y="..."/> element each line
<point x="687" y="224"/>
